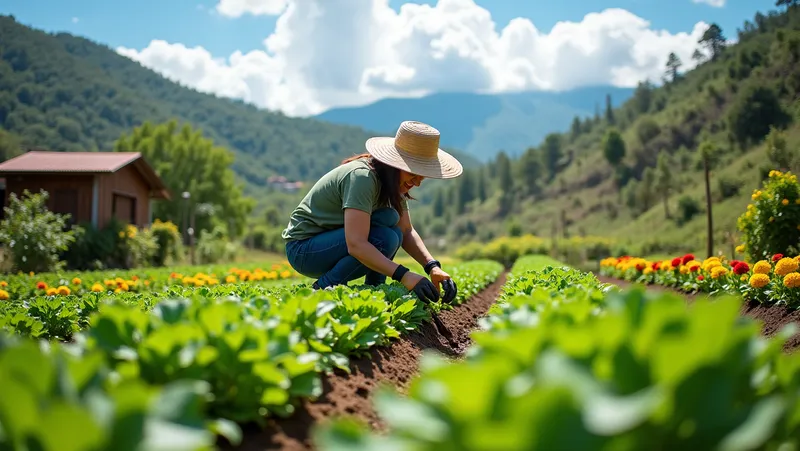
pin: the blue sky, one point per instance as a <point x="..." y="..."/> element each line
<point x="134" y="24"/>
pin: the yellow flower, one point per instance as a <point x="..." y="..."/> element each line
<point x="785" y="266"/>
<point x="76" y="281"/>
<point x="756" y="195"/>
<point x="740" y="249"/>
<point x="230" y="279"/>
<point x="792" y="280"/>
<point x="785" y="202"/>
<point x="97" y="288"/>
<point x="743" y="278"/>
<point x="759" y="280"/>
<point x="648" y="270"/>
<point x="51" y="292"/>
<point x="63" y="290"/>
<point x="762" y="267"/>
<point x="718" y="271"/>
<point x="4" y="295"/>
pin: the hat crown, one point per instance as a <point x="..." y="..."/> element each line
<point x="417" y="139"/>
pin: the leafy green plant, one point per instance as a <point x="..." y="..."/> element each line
<point x="51" y="399"/>
<point x="576" y="364"/>
<point x="34" y="235"/>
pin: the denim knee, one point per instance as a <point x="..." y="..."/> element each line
<point x="385" y="217"/>
<point x="387" y="239"/>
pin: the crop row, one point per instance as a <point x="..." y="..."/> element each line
<point x="566" y="362"/>
<point x="173" y="370"/>
<point x="773" y="281"/>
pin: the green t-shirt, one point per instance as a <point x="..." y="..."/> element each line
<point x="351" y="185"/>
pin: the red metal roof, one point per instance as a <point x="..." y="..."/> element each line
<point x="37" y="161"/>
<point x="41" y="161"/>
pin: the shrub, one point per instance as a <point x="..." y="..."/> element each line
<point x="214" y="246"/>
<point x="137" y="246"/>
<point x="688" y="207"/>
<point x="168" y="242"/>
<point x="34" y="235"/>
<point x="770" y="224"/>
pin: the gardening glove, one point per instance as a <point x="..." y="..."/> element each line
<point x="426" y="291"/>
<point x="450" y="291"/>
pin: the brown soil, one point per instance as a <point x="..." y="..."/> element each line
<point x="351" y="394"/>
<point x="772" y="318"/>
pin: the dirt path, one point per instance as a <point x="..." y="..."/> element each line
<point x="773" y="318"/>
<point x="351" y="394"/>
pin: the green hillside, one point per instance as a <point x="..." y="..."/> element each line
<point x="62" y="92"/>
<point x="566" y="185"/>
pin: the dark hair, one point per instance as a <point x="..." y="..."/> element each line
<point x="389" y="179"/>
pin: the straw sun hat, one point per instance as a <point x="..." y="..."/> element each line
<point x="415" y="149"/>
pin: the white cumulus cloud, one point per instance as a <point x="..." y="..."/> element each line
<point x="238" y="8"/>
<point x="327" y="53"/>
<point x="714" y="3"/>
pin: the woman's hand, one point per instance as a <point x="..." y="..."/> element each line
<point x="443" y="280"/>
<point x="421" y="286"/>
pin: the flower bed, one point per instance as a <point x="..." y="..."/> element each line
<point x="773" y="281"/>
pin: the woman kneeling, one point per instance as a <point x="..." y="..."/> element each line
<point x="355" y="218"/>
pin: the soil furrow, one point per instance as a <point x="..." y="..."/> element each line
<point x="772" y="318"/>
<point x="351" y="394"/>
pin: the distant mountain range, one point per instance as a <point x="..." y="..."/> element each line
<point x="483" y="124"/>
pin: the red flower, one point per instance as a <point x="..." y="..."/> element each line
<point x="41" y="285"/>
<point x="655" y="265"/>
<point x="700" y="277"/>
<point x="641" y="266"/>
<point x="777" y="257"/>
<point x="734" y="263"/>
<point x="676" y="262"/>
<point x="687" y="258"/>
<point x="741" y="268"/>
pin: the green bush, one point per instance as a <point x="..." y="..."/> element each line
<point x="117" y="245"/>
<point x="214" y="246"/>
<point x="688" y="208"/>
<point x="770" y="224"/>
<point x="34" y="235"/>
<point x="168" y="242"/>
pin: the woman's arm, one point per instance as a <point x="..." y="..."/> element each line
<point x="412" y="242"/>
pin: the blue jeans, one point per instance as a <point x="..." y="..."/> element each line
<point x="326" y="258"/>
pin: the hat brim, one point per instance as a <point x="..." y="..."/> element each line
<point x="444" y="166"/>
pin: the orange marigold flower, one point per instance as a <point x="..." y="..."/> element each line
<point x="759" y="280"/>
<point x="76" y="281"/>
<point x="4" y="295"/>
<point x="792" y="280"/>
<point x="785" y="266"/>
<point x="41" y="286"/>
<point x="762" y="267"/>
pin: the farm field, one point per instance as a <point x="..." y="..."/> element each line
<point x="544" y="350"/>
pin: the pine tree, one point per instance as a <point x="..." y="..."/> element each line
<point x="609" y="110"/>
<point x="673" y="63"/>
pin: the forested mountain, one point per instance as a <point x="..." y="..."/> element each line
<point x="62" y="92"/>
<point x="481" y="125"/>
<point x="636" y="174"/>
